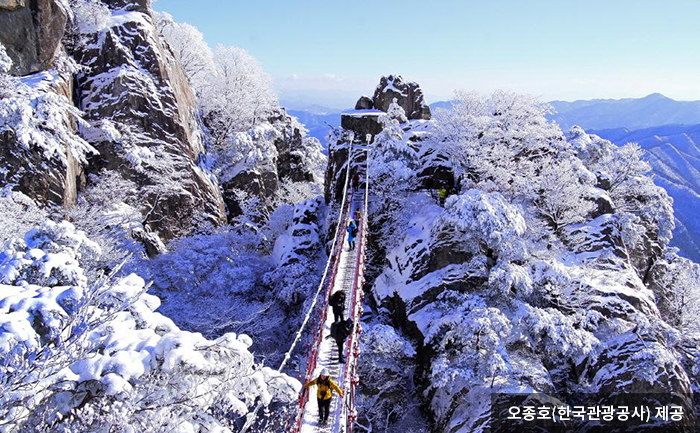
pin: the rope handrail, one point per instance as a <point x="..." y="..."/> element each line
<point x="251" y="417"/>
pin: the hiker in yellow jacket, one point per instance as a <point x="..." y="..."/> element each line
<point x="442" y="195"/>
<point x="324" y="391"/>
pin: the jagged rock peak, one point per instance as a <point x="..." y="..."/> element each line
<point x="408" y="95"/>
<point x="142" y="113"/>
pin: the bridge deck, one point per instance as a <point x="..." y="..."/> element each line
<point x="328" y="352"/>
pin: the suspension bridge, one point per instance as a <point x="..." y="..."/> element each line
<point x="344" y="271"/>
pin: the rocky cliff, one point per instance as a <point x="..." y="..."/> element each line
<point x="131" y="110"/>
<point x="143" y="121"/>
<point x="31" y="32"/>
<point x="138" y="115"/>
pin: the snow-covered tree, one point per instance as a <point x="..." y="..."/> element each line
<point x="233" y="91"/>
<point x="676" y="281"/>
<point x="81" y="355"/>
<point x="189" y="47"/>
<point x="295" y="252"/>
<point x="5" y="66"/>
<point x="108" y="211"/>
<point x="623" y="174"/>
<point x="238" y="96"/>
<point x="392" y="166"/>
<point x="394" y="160"/>
<point x="615" y="166"/>
<point x="88" y="16"/>
<point x="499" y="140"/>
<point x="20" y="213"/>
<point x="310" y="150"/>
<point x="293" y="193"/>
<point x="563" y="199"/>
<point x="396" y="112"/>
<point x="210" y="280"/>
<point x="5" y="60"/>
<point x="486" y="218"/>
<point x="386" y="371"/>
<point x="626" y="163"/>
<point x="38" y="118"/>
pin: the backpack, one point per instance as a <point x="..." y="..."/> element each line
<point x="347" y="329"/>
<point x="324" y="388"/>
<point x="353" y="230"/>
<point x="338" y="299"/>
<point x="341" y="330"/>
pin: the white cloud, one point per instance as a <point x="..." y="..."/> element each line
<point x="332" y="77"/>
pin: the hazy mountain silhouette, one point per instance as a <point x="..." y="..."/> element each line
<point x="652" y="110"/>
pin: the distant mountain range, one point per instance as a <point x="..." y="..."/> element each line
<point x="653" y="110"/>
<point x="674" y="154"/>
<point x="318" y="124"/>
<point x="669" y="132"/>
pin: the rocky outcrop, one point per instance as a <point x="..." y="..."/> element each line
<point x="387" y="399"/>
<point x="438" y="286"/>
<point x="31" y="32"/>
<point x="408" y="95"/>
<point x="261" y="159"/>
<point x="364" y="103"/>
<point x="291" y="163"/>
<point x="11" y="5"/>
<point x="144" y="122"/>
<point x="150" y="241"/>
<point x="338" y="153"/>
<point x="140" y="108"/>
<point x="41" y="154"/>
<point x="437" y="171"/>
<point x="53" y="180"/>
<point x="260" y="182"/>
<point x="362" y="123"/>
<point x="295" y="254"/>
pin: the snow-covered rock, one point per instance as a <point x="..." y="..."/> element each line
<point x="143" y="120"/>
<point x="296" y="255"/>
<point x="409" y="96"/>
<point x="259" y="160"/>
<point x="41" y="153"/>
<point x="492" y="300"/>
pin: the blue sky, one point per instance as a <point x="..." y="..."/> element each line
<point x="330" y="52"/>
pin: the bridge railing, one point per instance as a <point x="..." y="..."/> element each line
<point x="353" y="351"/>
